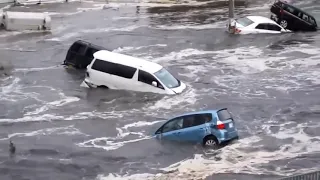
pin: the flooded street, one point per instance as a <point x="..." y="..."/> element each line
<point x="270" y="83"/>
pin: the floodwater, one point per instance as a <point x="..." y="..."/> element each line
<point x="270" y="83"/>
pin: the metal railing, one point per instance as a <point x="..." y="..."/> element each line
<point x="308" y="176"/>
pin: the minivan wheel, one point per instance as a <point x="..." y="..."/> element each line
<point x="283" y="23"/>
<point x="211" y="142"/>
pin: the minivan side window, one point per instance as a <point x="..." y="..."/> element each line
<point x="113" y="68"/>
<point x="147" y="78"/>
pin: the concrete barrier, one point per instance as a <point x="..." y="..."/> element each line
<point x="17" y="21"/>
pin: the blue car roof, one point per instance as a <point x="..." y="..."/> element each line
<point x="199" y="112"/>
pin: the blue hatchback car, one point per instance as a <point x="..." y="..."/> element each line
<point x="210" y="128"/>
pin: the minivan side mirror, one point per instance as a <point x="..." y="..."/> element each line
<point x="154" y="83"/>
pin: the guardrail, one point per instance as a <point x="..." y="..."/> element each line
<point x="308" y="176"/>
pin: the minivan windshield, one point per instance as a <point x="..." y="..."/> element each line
<point x="167" y="78"/>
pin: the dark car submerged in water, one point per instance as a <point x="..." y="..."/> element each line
<point x="291" y="17"/>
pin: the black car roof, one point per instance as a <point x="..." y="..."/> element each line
<point x="295" y="8"/>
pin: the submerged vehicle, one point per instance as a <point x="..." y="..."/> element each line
<point x="256" y="24"/>
<point x="80" y="54"/>
<point x="292" y="18"/>
<point x="209" y="128"/>
<point x="118" y="71"/>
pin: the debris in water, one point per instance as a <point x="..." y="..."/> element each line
<point x="12" y="148"/>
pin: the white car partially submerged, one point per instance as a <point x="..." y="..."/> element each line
<point x="255" y="25"/>
<point x="118" y="71"/>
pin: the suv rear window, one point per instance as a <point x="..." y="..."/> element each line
<point x="224" y="115"/>
<point x="244" y="21"/>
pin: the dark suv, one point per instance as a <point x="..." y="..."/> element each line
<point x="292" y="18"/>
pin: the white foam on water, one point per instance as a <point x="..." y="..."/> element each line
<point x="140" y="124"/>
<point x="130" y="48"/>
<point x="184" y="101"/>
<point x="33" y="116"/>
<point x="130" y="17"/>
<point x="8" y="89"/>
<point x="248" y="60"/>
<point x="89" y="31"/>
<point x="193" y="71"/>
<point x="112" y="176"/>
<point x="217" y="25"/>
<point x="36" y="69"/>
<point x="44" y="117"/>
<point x="182" y="55"/>
<point x="95" y="114"/>
<point x="67" y="130"/>
<point x="13" y="91"/>
<point x="113" y="143"/>
<point x="64" y="101"/>
<point x="32" y="2"/>
<point x="50" y="105"/>
<point x="234" y="159"/>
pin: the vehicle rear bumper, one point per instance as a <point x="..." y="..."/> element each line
<point x="228" y="136"/>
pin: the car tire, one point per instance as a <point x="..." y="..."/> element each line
<point x="283" y="23"/>
<point x="211" y="142"/>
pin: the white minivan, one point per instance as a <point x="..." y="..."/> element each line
<point x="118" y="71"/>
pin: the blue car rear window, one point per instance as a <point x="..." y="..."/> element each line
<point x="224" y="115"/>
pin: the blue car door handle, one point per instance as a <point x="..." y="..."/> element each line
<point x="177" y="133"/>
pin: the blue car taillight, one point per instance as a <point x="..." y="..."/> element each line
<point x="221" y="126"/>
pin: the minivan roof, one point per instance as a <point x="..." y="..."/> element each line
<point x="142" y="64"/>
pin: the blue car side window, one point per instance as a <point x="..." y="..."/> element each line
<point x="196" y="120"/>
<point x="173" y="125"/>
